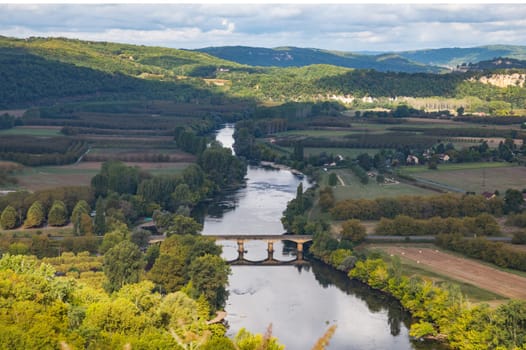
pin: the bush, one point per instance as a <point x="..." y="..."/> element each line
<point x="353" y="230"/>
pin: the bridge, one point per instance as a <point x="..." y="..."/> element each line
<point x="300" y="240"/>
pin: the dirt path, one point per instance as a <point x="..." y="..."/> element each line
<point x="465" y="270"/>
<point x="341" y="180"/>
<point x="220" y="316"/>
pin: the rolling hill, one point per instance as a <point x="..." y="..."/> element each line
<point x="299" y="57"/>
<point x="428" y="61"/>
<point x="451" y="57"/>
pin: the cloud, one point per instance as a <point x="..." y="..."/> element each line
<point x="348" y="27"/>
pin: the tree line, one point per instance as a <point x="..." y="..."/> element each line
<point x="35" y="151"/>
<point x="445" y="205"/>
<point x="496" y="253"/>
<point x="481" y="225"/>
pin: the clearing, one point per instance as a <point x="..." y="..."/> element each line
<point x="473" y="179"/>
<point x="463" y="269"/>
<point x="354" y="189"/>
<point x="39" y="178"/>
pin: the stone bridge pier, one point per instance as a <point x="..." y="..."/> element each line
<point x="240" y="240"/>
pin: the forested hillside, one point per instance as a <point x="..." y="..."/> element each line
<point x="454" y="56"/>
<point x="300" y="57"/>
<point x="44" y="71"/>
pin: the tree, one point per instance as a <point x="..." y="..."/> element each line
<point x="8" y="220"/>
<point x="353" y="230"/>
<point x="326" y="200"/>
<point x="298" y="151"/>
<point x="100" y="217"/>
<point x="111" y="239"/>
<point x="82" y="207"/>
<point x="176" y="254"/>
<point x="365" y="161"/>
<point x="85" y="225"/>
<point x="122" y="265"/>
<point x="460" y="111"/>
<point x="333" y="179"/>
<point x="140" y="237"/>
<point x="513" y="201"/>
<point x="183" y="225"/>
<point x="35" y="215"/>
<point x="209" y="276"/>
<point x="57" y="215"/>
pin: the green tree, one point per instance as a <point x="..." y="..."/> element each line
<point x="100" y="217"/>
<point x="353" y="230"/>
<point x="82" y="207"/>
<point x="111" y="239"/>
<point x="122" y="265"/>
<point x="85" y="225"/>
<point x="170" y="270"/>
<point x="35" y="215"/>
<point x="183" y="225"/>
<point x="209" y="276"/>
<point x="244" y="340"/>
<point x="513" y="201"/>
<point x="8" y="220"/>
<point x="333" y="179"/>
<point x="57" y="215"/>
<point x="298" y="151"/>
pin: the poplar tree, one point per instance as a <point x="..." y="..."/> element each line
<point x="100" y="218"/>
<point x="8" y="220"/>
<point x="79" y="220"/>
<point x="35" y="215"/>
<point x="57" y="215"/>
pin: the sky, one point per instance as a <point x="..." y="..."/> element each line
<point x="339" y="26"/>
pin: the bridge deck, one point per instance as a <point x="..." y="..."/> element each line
<point x="294" y="238"/>
<point x="261" y="237"/>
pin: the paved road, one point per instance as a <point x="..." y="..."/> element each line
<point x="376" y="238"/>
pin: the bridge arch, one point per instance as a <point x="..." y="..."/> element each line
<point x="300" y="240"/>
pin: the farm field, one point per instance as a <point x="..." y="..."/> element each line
<point x="33" y="131"/>
<point x="462" y="269"/>
<point x="347" y="153"/>
<point x="480" y="179"/>
<point x="38" y="178"/>
<point x="410" y="170"/>
<point x="98" y="154"/>
<point x="352" y="188"/>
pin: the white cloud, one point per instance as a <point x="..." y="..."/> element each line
<point x="339" y="26"/>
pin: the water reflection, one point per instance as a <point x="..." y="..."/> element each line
<point x="300" y="301"/>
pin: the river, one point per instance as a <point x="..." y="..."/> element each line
<point x="299" y="302"/>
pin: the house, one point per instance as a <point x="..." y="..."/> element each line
<point x="412" y="160"/>
<point x="488" y="195"/>
<point x="444" y="158"/>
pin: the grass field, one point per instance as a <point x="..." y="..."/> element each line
<point x="475" y="177"/>
<point x="33" y="131"/>
<point x="354" y="189"/>
<point x="38" y="178"/>
<point x="452" y="166"/>
<point x="347" y="153"/>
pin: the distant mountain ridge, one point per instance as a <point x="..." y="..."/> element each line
<point x="429" y="60"/>
<point x="451" y="57"/>
<point x="299" y="57"/>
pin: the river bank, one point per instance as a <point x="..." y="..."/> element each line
<point x="300" y="302"/>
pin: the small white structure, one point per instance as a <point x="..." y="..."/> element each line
<point x="412" y="160"/>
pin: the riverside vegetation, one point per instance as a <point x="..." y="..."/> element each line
<point x="97" y="284"/>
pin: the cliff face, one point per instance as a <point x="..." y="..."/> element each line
<point x="504" y="80"/>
